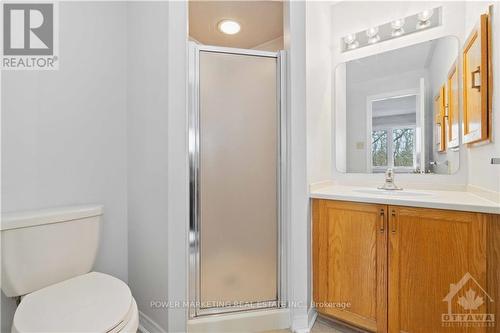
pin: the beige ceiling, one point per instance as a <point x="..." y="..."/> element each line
<point x="261" y="21"/>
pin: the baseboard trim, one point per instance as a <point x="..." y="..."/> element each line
<point x="313" y="315"/>
<point x="148" y="325"/>
<point x="300" y="324"/>
<point x="304" y="323"/>
<point x="246" y="321"/>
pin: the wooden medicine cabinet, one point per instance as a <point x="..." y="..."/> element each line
<point x="477" y="86"/>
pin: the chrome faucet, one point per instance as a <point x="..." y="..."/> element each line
<point x="389" y="181"/>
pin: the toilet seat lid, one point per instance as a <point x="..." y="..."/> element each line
<point x="94" y="302"/>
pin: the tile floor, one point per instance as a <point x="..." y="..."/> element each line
<point x="322" y="327"/>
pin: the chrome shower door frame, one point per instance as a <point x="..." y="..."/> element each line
<point x="194" y="176"/>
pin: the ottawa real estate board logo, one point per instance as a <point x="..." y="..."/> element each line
<point x="468" y="305"/>
<point x="29" y="36"/>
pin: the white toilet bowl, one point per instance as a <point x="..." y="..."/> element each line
<point x="94" y="302"/>
<point x="46" y="259"/>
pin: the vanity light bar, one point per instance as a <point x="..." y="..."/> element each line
<point x="426" y="19"/>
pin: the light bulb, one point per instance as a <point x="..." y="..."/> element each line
<point x="372" y="35"/>
<point x="353" y="45"/>
<point x="349" y="39"/>
<point x="424" y="19"/>
<point x="372" y="32"/>
<point x="397" y="27"/>
<point x="351" y="42"/>
<point x="425" y="15"/>
<point x="398" y="24"/>
<point x="229" y="27"/>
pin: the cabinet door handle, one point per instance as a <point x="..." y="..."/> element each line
<point x="476" y="78"/>
<point x="393" y="214"/>
<point x="382" y="220"/>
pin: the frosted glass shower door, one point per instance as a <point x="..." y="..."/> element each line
<point x="238" y="179"/>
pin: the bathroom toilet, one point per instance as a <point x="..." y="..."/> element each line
<point x="47" y="257"/>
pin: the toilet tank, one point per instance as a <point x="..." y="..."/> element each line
<point x="43" y="247"/>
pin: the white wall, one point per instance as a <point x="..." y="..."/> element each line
<point x="64" y="132"/>
<point x="178" y="200"/>
<point x="298" y="237"/>
<point x="318" y="90"/>
<point x="481" y="172"/>
<point x="147" y="105"/>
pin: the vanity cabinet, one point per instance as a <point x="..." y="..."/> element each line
<point x="350" y="261"/>
<point x="401" y="268"/>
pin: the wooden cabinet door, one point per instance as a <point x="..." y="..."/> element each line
<point x="435" y="258"/>
<point x="476" y="77"/>
<point x="494" y="268"/>
<point x="349" y="262"/>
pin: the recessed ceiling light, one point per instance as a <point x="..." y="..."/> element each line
<point x="229" y="27"/>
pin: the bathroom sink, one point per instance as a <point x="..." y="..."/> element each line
<point x="394" y="193"/>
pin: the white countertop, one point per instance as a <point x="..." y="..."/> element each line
<point x="452" y="200"/>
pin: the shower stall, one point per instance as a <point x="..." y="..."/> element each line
<point x="237" y="156"/>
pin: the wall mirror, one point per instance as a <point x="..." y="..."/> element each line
<point x="399" y="109"/>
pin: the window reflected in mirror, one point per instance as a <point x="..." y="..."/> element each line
<point x="393" y="122"/>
